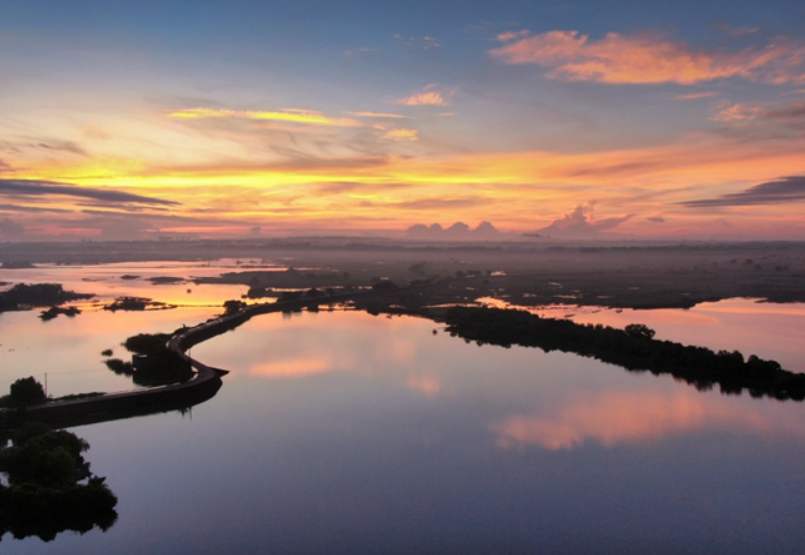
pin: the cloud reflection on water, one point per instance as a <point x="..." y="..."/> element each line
<point x="617" y="417"/>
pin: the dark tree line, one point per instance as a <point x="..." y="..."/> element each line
<point x="633" y="348"/>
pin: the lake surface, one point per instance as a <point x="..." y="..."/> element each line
<point x="340" y="432"/>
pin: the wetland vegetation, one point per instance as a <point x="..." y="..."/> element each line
<point x="633" y="348"/>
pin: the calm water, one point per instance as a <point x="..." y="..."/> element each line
<point x="346" y="433"/>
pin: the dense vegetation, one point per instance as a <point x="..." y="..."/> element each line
<point x="633" y="348"/>
<point x="135" y="304"/>
<point x="157" y="364"/>
<point x="27" y="295"/>
<point x="24" y="392"/>
<point x="55" y="311"/>
<point x="49" y="485"/>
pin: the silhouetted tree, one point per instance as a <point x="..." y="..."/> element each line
<point x="639" y="330"/>
<point x="26" y="392"/>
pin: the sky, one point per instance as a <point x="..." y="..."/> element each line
<point x="565" y="119"/>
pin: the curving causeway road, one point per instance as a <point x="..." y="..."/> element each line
<point x="202" y="386"/>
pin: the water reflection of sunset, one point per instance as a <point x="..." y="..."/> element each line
<point x="613" y="418"/>
<point x="292" y="367"/>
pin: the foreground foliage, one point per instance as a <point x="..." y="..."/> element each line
<point x="50" y="487"/>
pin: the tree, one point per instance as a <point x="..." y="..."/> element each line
<point x="26" y="392"/>
<point x="639" y="330"/>
<point x="232" y="307"/>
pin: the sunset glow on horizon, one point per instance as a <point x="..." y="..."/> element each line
<point x="568" y="120"/>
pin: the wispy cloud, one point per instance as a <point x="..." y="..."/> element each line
<point x="417" y="43"/>
<point x="339" y="187"/>
<point x="694" y="96"/>
<point x="33" y="209"/>
<point x="440" y="203"/>
<point x="402" y="134"/>
<point x="735" y="112"/>
<point x="795" y="111"/>
<point x="649" y="59"/>
<point x="432" y="95"/>
<point x="735" y="31"/>
<point x="739" y="112"/>
<point x="306" y="117"/>
<point x="26" y="187"/>
<point x="785" y="190"/>
<point x="375" y="115"/>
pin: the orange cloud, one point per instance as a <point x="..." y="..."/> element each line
<point x="647" y="59"/>
<point x="619" y="417"/>
<point x="402" y="134"/>
<point x="291" y="115"/>
<point x="429" y="96"/>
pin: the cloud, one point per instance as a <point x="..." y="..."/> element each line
<point x="94" y="132"/>
<point x="361" y="50"/>
<point x="656" y="219"/>
<point x="401" y="135"/>
<point x="615" y="418"/>
<point x="11" y="229"/>
<point x="338" y="187"/>
<point x="63" y="146"/>
<point x="581" y="223"/>
<point x="375" y="115"/>
<point x="48" y="145"/>
<point x="458" y="230"/>
<point x="35" y="209"/>
<point x="735" y="112"/>
<point x="795" y="111"/>
<point x="26" y="187"/>
<point x="417" y="43"/>
<point x="305" y="117"/>
<point x="439" y="203"/>
<point x="431" y="95"/>
<point x="299" y="163"/>
<point x="783" y="191"/>
<point x="649" y="59"/>
<point x="734" y="31"/>
<point x="694" y="96"/>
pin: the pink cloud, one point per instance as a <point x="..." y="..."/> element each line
<point x="649" y="58"/>
<point x="428" y="96"/>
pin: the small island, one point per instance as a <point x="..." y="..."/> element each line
<point x="24" y="296"/>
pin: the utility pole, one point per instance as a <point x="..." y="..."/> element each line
<point x="46" y="384"/>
